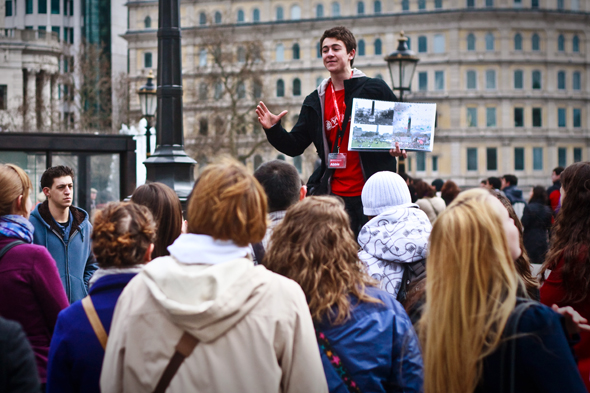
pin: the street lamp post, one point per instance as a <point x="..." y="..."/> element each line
<point x="148" y="101"/>
<point x="402" y="65"/>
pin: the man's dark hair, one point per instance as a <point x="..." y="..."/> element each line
<point x="558" y="170"/>
<point x="53" y="173"/>
<point x="281" y="182"/>
<point x="513" y="180"/>
<point x="495" y="182"/>
<point x="343" y="34"/>
<point x="437" y="183"/>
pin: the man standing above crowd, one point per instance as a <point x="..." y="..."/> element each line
<point x="554" y="192"/>
<point x="324" y="121"/>
<point x="65" y="231"/>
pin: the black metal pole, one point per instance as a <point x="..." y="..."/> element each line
<point x="170" y="164"/>
<point x="148" y="137"/>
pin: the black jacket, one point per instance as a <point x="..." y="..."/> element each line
<point x="536" y="220"/>
<point x="309" y="129"/>
<point x="18" y="370"/>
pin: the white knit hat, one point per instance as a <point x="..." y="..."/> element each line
<point x="384" y="191"/>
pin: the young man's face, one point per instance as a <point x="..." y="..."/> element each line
<point x="504" y="183"/>
<point x="334" y="55"/>
<point x="554" y="177"/>
<point x="61" y="193"/>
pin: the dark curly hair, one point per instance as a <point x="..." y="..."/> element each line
<point x="122" y="234"/>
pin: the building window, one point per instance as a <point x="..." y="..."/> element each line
<point x="490" y="117"/>
<point x="202" y="19"/>
<point x="577" y="117"/>
<point x="3" y="96"/>
<point x="577" y="154"/>
<point x="471" y="42"/>
<point x="318" y="51"/>
<point x="280" y="88"/>
<point x="471" y="80"/>
<point x="561" y="80"/>
<point x="519" y="159"/>
<point x="471" y="159"/>
<point x="561" y="114"/>
<point x="203" y="57"/>
<point x="439" y="80"/>
<point x="575" y="5"/>
<point x="147" y="60"/>
<point x="405" y="5"/>
<point x="218" y="92"/>
<point x="203" y="91"/>
<point x="517" y="3"/>
<point x="575" y="44"/>
<point x="217" y="17"/>
<point x="378" y="46"/>
<point x="537" y="118"/>
<point x="491" y="79"/>
<point x="8" y="8"/>
<point x="42" y="6"/>
<point x="56" y="31"/>
<point x="518" y="80"/>
<point x="576" y="80"/>
<point x="241" y="18"/>
<point x="280" y="14"/>
<point x="280" y="53"/>
<point x="377" y="7"/>
<point x="471" y="117"/>
<point x="517" y="41"/>
<point x="296" y="51"/>
<point x="470" y="3"/>
<point x="489" y="3"/>
<point x="379" y="76"/>
<point x="560" y="4"/>
<point x="420" y="161"/>
<point x="256" y="15"/>
<point x="439" y="43"/>
<point x="534" y="3"/>
<point x="422" y="81"/>
<point x="241" y="90"/>
<point x="536" y="42"/>
<point x="438" y="4"/>
<point x="561" y="43"/>
<point x="296" y="87"/>
<point x="335" y="10"/>
<point x="361" y="47"/>
<point x="319" y="11"/>
<point x="421" y="4"/>
<point x="434" y="163"/>
<point x="360" y="8"/>
<point x="28" y="6"/>
<point x="489" y="42"/>
<point x="536" y="79"/>
<point x="492" y="159"/>
<point x="561" y="156"/>
<point x="409" y="42"/>
<point x="71" y="7"/>
<point x="257" y="89"/>
<point x="147" y="22"/>
<point x="422" y="44"/>
<point x="537" y="158"/>
<point x="203" y="126"/>
<point x="518" y="117"/>
<point x="55" y="7"/>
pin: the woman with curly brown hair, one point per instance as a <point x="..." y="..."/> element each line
<point x="122" y="241"/>
<point x="366" y="338"/>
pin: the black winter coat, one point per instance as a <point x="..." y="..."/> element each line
<point x="536" y="220"/>
<point x="18" y="370"/>
<point x="309" y="129"/>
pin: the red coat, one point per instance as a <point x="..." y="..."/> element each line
<point x="553" y="292"/>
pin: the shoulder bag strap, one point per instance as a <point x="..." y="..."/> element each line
<point x="97" y="326"/>
<point x="433" y="208"/>
<point x="10" y="246"/>
<point x="259" y="252"/>
<point x="184" y="348"/>
<point x="336" y="362"/>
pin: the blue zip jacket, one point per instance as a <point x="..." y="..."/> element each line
<point x="378" y="347"/>
<point x="75" y="354"/>
<point x="74" y="259"/>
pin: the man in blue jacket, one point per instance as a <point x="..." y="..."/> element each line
<point x="65" y="231"/>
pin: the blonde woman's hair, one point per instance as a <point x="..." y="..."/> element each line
<point x="14" y="182"/>
<point x="315" y="247"/>
<point x="471" y="287"/>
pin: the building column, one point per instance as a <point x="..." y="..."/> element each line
<point x="507" y="160"/>
<point x="45" y="101"/>
<point x="54" y="99"/>
<point x="29" y="101"/>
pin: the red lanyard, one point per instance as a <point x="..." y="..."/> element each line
<point x="339" y="117"/>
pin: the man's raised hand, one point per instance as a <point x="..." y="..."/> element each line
<point x="267" y="119"/>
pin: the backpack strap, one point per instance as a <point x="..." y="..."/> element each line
<point x="412" y="272"/>
<point x="184" y="348"/>
<point x="10" y="246"/>
<point x="259" y="252"/>
<point x="336" y="362"/>
<point x="94" y="320"/>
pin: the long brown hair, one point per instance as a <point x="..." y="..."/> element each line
<point x="315" y="247"/>
<point x="449" y="191"/>
<point x="15" y="182"/>
<point x="166" y="210"/>
<point x="570" y="238"/>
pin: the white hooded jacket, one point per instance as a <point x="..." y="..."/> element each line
<point x="391" y="239"/>
<point x="254" y="327"/>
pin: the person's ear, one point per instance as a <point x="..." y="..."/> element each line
<point x="148" y="254"/>
<point x="18" y="204"/>
<point x="351" y="54"/>
<point x="47" y="192"/>
<point x="302" y="192"/>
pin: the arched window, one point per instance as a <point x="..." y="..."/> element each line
<point x="241" y="17"/>
<point x="360" y="8"/>
<point x="296" y="87"/>
<point x="257" y="161"/>
<point x="203" y="58"/>
<point x="147" y="60"/>
<point x="536" y="79"/>
<point x="378" y="46"/>
<point x="202" y="19"/>
<point x="517" y="41"/>
<point x="536" y="42"/>
<point x="217" y="17"/>
<point x="489" y="41"/>
<point x="576" y="80"/>
<point x="518" y="79"/>
<point x="218" y="90"/>
<point x="296" y="51"/>
<point x="421" y="4"/>
<point x="295" y="12"/>
<point x="241" y="54"/>
<point x="257" y="89"/>
<point x="335" y="10"/>
<point x="561" y="43"/>
<point x="422" y="44"/>
<point x="377" y="6"/>
<point x="319" y="11"/>
<point x="280" y="13"/>
<point x="471" y="42"/>
<point x="361" y="47"/>
<point x="147" y="22"/>
<point x="575" y="44"/>
<point x="561" y="80"/>
<point x="241" y="90"/>
<point x="203" y="91"/>
<point x="203" y="126"/>
<point x="405" y="5"/>
<point x="471" y="80"/>
<point x="255" y="15"/>
<point x="280" y="53"/>
<point x="280" y="88"/>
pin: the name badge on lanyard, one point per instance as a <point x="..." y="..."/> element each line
<point x="337" y="160"/>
